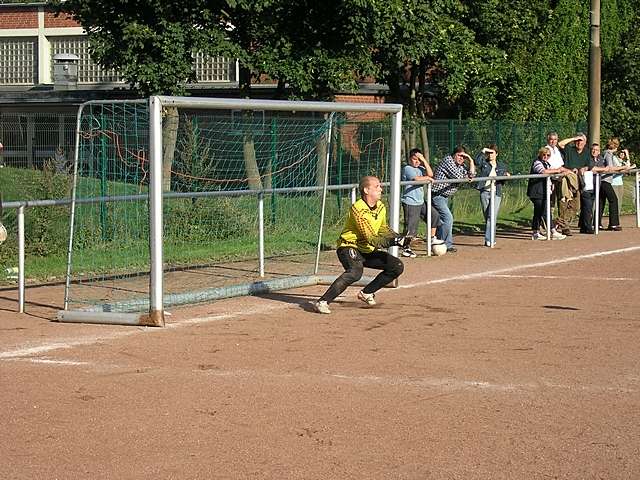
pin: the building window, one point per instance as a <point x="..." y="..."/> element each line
<point x="208" y="69"/>
<point x="213" y="69"/>
<point x="88" y="70"/>
<point x="18" y="61"/>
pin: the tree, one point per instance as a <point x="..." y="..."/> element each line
<point x="620" y="89"/>
<point x="151" y="45"/>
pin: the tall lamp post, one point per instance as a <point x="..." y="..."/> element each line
<point x="594" y="73"/>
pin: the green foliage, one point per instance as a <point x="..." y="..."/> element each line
<point x="514" y="59"/>
<point x="46" y="228"/>
<point x="621" y="90"/>
<point x="209" y="219"/>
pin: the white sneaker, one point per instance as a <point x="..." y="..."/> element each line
<point x="436" y="241"/>
<point x="556" y="235"/>
<point x="538" y="236"/>
<point x="407" y="252"/>
<point x="368" y="298"/>
<point x="321" y="307"/>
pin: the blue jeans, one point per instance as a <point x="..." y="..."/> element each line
<point x="485" y="199"/>
<point x="445" y="229"/>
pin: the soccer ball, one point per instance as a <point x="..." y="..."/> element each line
<point x="439" y="250"/>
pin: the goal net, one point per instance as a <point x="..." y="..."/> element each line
<point x="184" y="200"/>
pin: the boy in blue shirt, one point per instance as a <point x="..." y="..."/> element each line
<point x="413" y="205"/>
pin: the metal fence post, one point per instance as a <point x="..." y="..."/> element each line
<point x="596" y="183"/>
<point x="429" y="219"/>
<point x="261" y="234"/>
<point x="274" y="166"/>
<point x="548" y="202"/>
<point x="492" y="213"/>
<point x="21" y="259"/>
<point x="637" y="191"/>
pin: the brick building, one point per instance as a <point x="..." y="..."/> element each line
<point x="33" y="101"/>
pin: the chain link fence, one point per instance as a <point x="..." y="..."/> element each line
<point x="32" y="139"/>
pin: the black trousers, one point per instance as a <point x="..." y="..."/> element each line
<point x="608" y="194"/>
<point x="586" y="211"/>
<point x="539" y="210"/>
<point x="354" y="262"/>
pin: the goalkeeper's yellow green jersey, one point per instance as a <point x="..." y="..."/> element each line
<point x="366" y="228"/>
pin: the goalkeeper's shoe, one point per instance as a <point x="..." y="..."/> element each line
<point x="368" y="298"/>
<point x="407" y="252"/>
<point x="321" y="307"/>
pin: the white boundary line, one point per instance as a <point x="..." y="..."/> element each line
<point x="35" y="350"/>
<point x="569" y="277"/>
<point x="490" y="273"/>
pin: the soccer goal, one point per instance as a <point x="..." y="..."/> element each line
<point x="181" y="200"/>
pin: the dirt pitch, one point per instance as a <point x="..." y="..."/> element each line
<point x="514" y="363"/>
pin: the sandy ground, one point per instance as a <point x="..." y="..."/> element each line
<point x="519" y="362"/>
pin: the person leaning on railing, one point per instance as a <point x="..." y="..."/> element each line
<point x="487" y="165"/>
<point x="572" y="154"/>
<point x="618" y="184"/>
<point x="607" y="165"/>
<point x="536" y="191"/>
<point x="451" y="167"/>
<point x="412" y="199"/>
<point x="616" y="158"/>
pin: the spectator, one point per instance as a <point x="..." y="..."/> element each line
<point x="595" y="165"/>
<point x="413" y="204"/>
<point x="451" y="167"/>
<point x="565" y="189"/>
<point x="575" y="151"/>
<point x="556" y="160"/>
<point x="1" y="155"/>
<point x="617" y="159"/>
<point x="610" y="163"/>
<point x="487" y="165"/>
<point x="536" y="191"/>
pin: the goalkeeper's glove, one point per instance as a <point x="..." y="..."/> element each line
<point x="402" y="242"/>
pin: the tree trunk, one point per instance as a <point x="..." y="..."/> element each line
<point x="420" y="96"/>
<point x="268" y="176"/>
<point x="250" y="162"/>
<point x="425" y="141"/>
<point x="410" y="136"/>
<point x="169" y="138"/>
<point x="321" y="149"/>
<point x="393" y="81"/>
<point x="248" y="145"/>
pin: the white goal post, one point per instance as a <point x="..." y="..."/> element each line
<point x="157" y="106"/>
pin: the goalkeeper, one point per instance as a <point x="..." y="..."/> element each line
<point x="361" y="244"/>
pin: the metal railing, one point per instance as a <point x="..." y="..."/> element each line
<point x="22" y="206"/>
